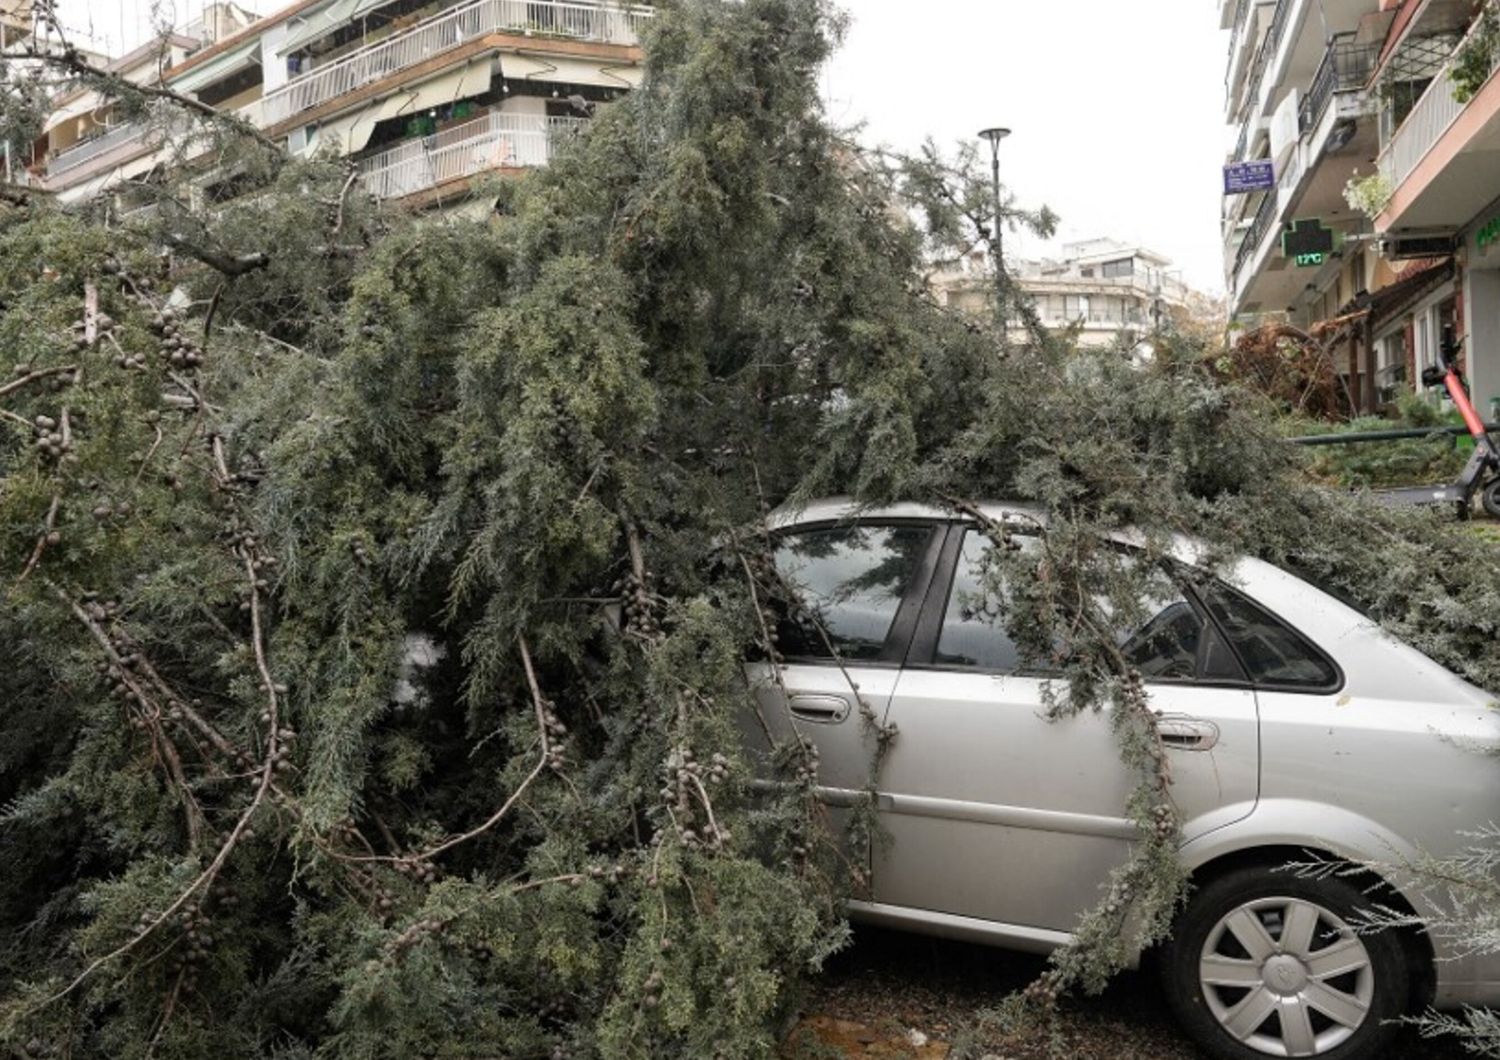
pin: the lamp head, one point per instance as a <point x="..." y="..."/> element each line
<point x="994" y="136"/>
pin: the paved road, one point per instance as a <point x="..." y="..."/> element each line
<point x="888" y="984"/>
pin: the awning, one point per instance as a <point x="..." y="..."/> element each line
<point x="470" y="80"/>
<point x="568" y="71"/>
<point x="321" y="23"/>
<point x="221" y="66"/>
<point x="349" y="134"/>
<point x="87" y="103"/>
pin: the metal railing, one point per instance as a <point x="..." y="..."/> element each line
<point x="1428" y="120"/>
<point x="1244" y="141"/>
<point x="1241" y="16"/>
<point x="489" y="142"/>
<point x="1268" y="46"/>
<point x="1257" y="230"/>
<point x="614" y="24"/>
<point x="72" y="157"/>
<point x="1346" y="67"/>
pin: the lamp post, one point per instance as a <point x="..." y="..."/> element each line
<point x="994" y="136"/>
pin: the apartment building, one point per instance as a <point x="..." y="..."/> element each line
<point x="1110" y="291"/>
<point x="16" y="17"/>
<point x="422" y="95"/>
<point x="1342" y="101"/>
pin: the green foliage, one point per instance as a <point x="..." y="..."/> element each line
<point x="1369" y="194"/>
<point x="376" y="679"/>
<point x="1475" y="59"/>
<point x="1401" y="462"/>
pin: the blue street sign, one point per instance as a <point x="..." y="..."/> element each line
<point x="1242" y="177"/>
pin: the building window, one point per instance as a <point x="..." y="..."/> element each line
<point x="1425" y="354"/>
<point x="1076" y="307"/>
<point x="1113" y="270"/>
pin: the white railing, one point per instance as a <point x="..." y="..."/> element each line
<point x="75" y="156"/>
<point x="492" y="141"/>
<point x="1428" y="120"/>
<point x="610" y="23"/>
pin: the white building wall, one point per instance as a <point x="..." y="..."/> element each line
<point x="1482" y="332"/>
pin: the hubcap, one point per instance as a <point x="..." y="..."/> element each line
<point x="1286" y="977"/>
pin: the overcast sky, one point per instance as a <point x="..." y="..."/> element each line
<point x="1117" y="108"/>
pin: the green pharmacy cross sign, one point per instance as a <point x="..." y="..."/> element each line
<point x="1489" y="234"/>
<point x="1307" y="242"/>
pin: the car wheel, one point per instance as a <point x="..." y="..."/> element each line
<point x="1262" y="963"/>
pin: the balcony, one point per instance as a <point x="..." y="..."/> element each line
<point x="1346" y="67"/>
<point x="1244" y="142"/>
<point x="596" y="22"/>
<point x="1266" y="52"/>
<point x="1255" y="235"/>
<point x="1236" y="45"/>
<point x="70" y="159"/>
<point x="1434" y="113"/>
<point x="493" y="141"/>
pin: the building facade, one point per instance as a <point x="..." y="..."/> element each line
<point x="1377" y="123"/>
<point x="422" y="95"/>
<point x="1111" y="292"/>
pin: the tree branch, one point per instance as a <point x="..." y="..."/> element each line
<point x="228" y="264"/>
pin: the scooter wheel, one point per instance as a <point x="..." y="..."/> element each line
<point x="1491" y="498"/>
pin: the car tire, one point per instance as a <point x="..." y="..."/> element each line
<point x="1263" y="963"/>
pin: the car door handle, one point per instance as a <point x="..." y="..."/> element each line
<point x="1187" y="734"/>
<point x="825" y="710"/>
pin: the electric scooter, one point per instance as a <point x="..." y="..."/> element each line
<point x="1482" y="473"/>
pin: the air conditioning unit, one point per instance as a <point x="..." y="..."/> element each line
<point x="1404" y="248"/>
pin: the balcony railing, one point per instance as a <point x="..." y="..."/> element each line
<point x="1346" y="67"/>
<point x="1428" y="120"/>
<point x="1267" y="50"/>
<point x="1241" y="16"/>
<point x="614" y="24"/>
<point x="489" y="142"/>
<point x="71" y="158"/>
<point x="1257" y="231"/>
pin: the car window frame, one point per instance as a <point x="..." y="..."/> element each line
<point x="922" y="654"/>
<point x="1193" y="574"/>
<point x="897" y="643"/>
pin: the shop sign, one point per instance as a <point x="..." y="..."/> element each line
<point x="1307" y="238"/>
<point x="1488" y="234"/>
<point x="1241" y="178"/>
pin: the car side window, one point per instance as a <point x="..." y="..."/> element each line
<point x="1178" y="644"/>
<point x="1273" y="652"/>
<point x="1175" y="644"/>
<point x="973" y="632"/>
<point x="848" y="580"/>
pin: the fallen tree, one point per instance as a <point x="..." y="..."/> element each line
<point x="323" y="735"/>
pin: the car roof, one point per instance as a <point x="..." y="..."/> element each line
<point x="841" y="509"/>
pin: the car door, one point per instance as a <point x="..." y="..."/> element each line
<point x="854" y="591"/>
<point x="997" y="813"/>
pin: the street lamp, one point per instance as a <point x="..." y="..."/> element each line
<point x="994" y="136"/>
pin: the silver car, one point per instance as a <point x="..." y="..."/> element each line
<point x="1297" y="728"/>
